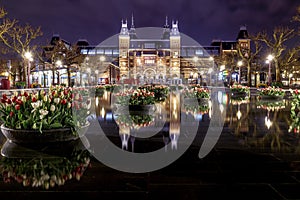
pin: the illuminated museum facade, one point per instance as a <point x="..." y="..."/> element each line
<point x="151" y="55"/>
<point x="146" y="55"/>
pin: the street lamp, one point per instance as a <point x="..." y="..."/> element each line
<point x="268" y="61"/>
<point x="290" y="76"/>
<point x="102" y="60"/>
<point x="28" y="57"/>
<point x="212" y="67"/>
<point x="240" y="63"/>
<point x="58" y="64"/>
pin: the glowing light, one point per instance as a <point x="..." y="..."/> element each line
<point x="221" y="107"/>
<point x="239" y="114"/>
<point x="102" y="112"/>
<point x="268" y="122"/>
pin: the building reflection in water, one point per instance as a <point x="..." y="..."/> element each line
<point x="175" y="111"/>
<point x="255" y="124"/>
<point x="164" y="123"/>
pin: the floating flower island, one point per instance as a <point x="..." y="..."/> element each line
<point x="271" y="93"/>
<point x="42" y="116"/>
<point x="196" y="93"/>
<point x="136" y="101"/>
<point x="239" y="91"/>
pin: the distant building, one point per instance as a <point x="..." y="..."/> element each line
<point x="151" y="55"/>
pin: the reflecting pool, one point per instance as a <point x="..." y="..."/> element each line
<point x="256" y="124"/>
<point x="204" y="146"/>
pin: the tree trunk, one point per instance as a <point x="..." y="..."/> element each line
<point x="44" y="79"/>
<point x="249" y="74"/>
<point x="58" y="82"/>
<point x="53" y="77"/>
<point x="25" y="71"/>
<point x="277" y="71"/>
<point x="69" y="76"/>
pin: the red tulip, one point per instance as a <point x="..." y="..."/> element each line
<point x="66" y="92"/>
<point x="19" y="102"/>
<point x="17" y="107"/>
<point x="63" y="101"/>
<point x="14" y="99"/>
<point x="8" y="101"/>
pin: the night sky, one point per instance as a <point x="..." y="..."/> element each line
<point x="203" y="20"/>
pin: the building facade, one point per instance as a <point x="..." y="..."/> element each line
<point x="153" y="55"/>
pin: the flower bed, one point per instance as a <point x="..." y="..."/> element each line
<point x="135" y="97"/>
<point x="271" y="93"/>
<point x="59" y="107"/>
<point x="196" y="92"/>
<point x="160" y="91"/>
<point x="238" y="91"/>
<point x="295" y="112"/>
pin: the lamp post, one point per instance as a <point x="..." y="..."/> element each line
<point x="28" y="57"/>
<point x="195" y="60"/>
<point x="212" y="68"/>
<point x="239" y="63"/>
<point x="58" y="64"/>
<point x="102" y="59"/>
<point x="268" y="61"/>
<point x="290" y="76"/>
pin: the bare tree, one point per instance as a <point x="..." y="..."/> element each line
<point x="276" y="43"/>
<point x="289" y="60"/>
<point x="248" y="55"/>
<point x="5" y="26"/>
<point x="69" y="55"/>
<point x="296" y="17"/>
<point x="230" y="62"/>
<point x="19" y="39"/>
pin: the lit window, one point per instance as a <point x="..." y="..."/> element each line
<point x="92" y="52"/>
<point x="199" y="52"/>
<point x="84" y="51"/>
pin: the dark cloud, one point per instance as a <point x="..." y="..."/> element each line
<point x="202" y="20"/>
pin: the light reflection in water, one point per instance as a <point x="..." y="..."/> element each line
<point x="165" y="121"/>
<point x="250" y="121"/>
<point x="174" y="130"/>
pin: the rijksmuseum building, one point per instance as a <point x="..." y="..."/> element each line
<point x="151" y="55"/>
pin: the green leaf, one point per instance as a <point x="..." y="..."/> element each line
<point x="56" y="125"/>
